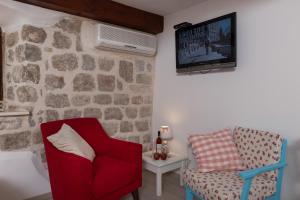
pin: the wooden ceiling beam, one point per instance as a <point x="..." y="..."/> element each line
<point x="106" y="11"/>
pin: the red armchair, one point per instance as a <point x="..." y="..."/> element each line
<point x="115" y="171"/>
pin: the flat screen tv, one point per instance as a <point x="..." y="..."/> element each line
<point x="207" y="45"/>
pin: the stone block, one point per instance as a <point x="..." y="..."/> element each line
<point x="113" y="113"/>
<point x="83" y="82"/>
<point x="126" y="127"/>
<point x="142" y="125"/>
<point x="92" y="112"/>
<point x="126" y="71"/>
<point x="28" y="73"/>
<point x="40" y="112"/>
<point x="2" y="126"/>
<point x="27" y="94"/>
<point x="147" y="147"/>
<point x="147" y="138"/>
<point x="137" y="100"/>
<point x="131" y="112"/>
<point x="31" y="73"/>
<point x="65" y="62"/>
<point x="111" y="128"/>
<point x="88" y="62"/>
<point x="149" y="67"/>
<point x="47" y="65"/>
<point x="14" y="124"/>
<point x="48" y="49"/>
<point x="106" y="83"/>
<point x="145" y="111"/>
<point x="12" y="39"/>
<point x="135" y="139"/>
<point x="81" y="100"/>
<point x="33" y="34"/>
<point x="148" y="99"/>
<point x="106" y="64"/>
<point x="72" y="113"/>
<point x="54" y="82"/>
<point x="37" y="137"/>
<point x="20" y="107"/>
<point x="11" y="123"/>
<point x="40" y="120"/>
<point x="8" y="77"/>
<point x="57" y="100"/>
<point x="61" y="41"/>
<point x="119" y="85"/>
<point x="17" y="73"/>
<point x="140" y="65"/>
<point x="103" y="99"/>
<point x="28" y="52"/>
<point x="121" y="99"/>
<point x="15" y="141"/>
<point x="140" y="89"/>
<point x="70" y="25"/>
<point x="10" y="94"/>
<point x="10" y="56"/>
<point x="52" y="115"/>
<point x="78" y="43"/>
<point x="32" y="122"/>
<point x="144" y="79"/>
<point x="43" y="155"/>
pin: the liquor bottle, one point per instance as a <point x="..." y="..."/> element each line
<point x="158" y="143"/>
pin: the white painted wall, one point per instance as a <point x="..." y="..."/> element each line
<point x="22" y="176"/>
<point x="263" y="92"/>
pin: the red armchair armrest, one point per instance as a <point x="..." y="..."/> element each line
<point x="126" y="151"/>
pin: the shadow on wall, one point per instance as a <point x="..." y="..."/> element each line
<point x="8" y="191"/>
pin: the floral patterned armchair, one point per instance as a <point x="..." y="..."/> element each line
<point x="264" y="156"/>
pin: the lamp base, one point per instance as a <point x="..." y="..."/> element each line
<point x="165" y="147"/>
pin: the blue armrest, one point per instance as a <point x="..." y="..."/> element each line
<point x="254" y="172"/>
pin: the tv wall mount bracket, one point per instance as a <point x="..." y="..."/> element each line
<point x="182" y="25"/>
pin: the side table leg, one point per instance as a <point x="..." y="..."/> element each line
<point x="158" y="184"/>
<point x="181" y="172"/>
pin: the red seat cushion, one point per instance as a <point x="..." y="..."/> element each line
<point x="111" y="174"/>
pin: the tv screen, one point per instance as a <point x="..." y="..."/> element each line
<point x="207" y="45"/>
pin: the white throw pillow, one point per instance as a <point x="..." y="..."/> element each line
<point x="68" y="140"/>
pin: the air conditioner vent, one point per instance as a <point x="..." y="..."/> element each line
<point x="126" y="36"/>
<point x="108" y="37"/>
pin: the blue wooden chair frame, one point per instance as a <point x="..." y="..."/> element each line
<point x="248" y="176"/>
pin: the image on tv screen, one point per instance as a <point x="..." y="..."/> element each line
<point x="205" y="43"/>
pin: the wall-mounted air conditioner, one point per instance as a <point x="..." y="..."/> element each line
<point x="108" y="37"/>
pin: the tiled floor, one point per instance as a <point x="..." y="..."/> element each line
<point x="171" y="188"/>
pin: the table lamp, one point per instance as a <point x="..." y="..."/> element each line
<point x="166" y="135"/>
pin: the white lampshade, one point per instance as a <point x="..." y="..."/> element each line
<point x="166" y="133"/>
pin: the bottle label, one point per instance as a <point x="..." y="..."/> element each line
<point x="158" y="148"/>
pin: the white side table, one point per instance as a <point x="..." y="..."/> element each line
<point x="173" y="162"/>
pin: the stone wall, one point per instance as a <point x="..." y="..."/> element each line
<point x="48" y="73"/>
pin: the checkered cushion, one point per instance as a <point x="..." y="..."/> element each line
<point x="215" y="151"/>
<point x="226" y="185"/>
